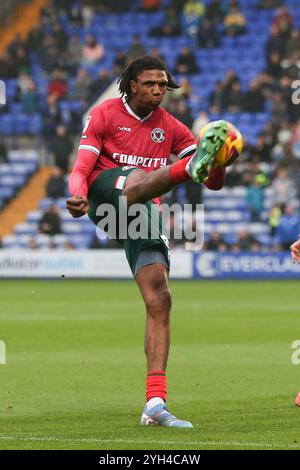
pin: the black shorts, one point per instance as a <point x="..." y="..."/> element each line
<point x="107" y="189"/>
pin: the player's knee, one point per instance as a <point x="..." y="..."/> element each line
<point x="159" y="301"/>
<point x="133" y="187"/>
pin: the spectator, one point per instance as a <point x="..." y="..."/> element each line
<point x="92" y="52"/>
<point x="216" y="98"/>
<point x="200" y="121"/>
<point x="216" y="242"/>
<point x="215" y="11"/>
<point x="136" y="49"/>
<point x="50" y="222"/>
<point x="30" y="99"/>
<point x="58" y="85"/>
<point x="55" y="187"/>
<point x="61" y="146"/>
<point x="82" y="85"/>
<point x="119" y="62"/>
<point x="149" y="6"/>
<point x="186" y="62"/>
<point x="274" y="219"/>
<point x="193" y="11"/>
<point x="74" y="51"/>
<point x="288" y="228"/>
<point x="3" y="151"/>
<point x="170" y="26"/>
<point x="75" y="16"/>
<point x="254" y="99"/>
<point x="207" y="35"/>
<point x="283" y="21"/>
<point x="283" y="189"/>
<point x="255" y="199"/>
<point x="99" y="85"/>
<point x="247" y="242"/>
<point x="59" y="36"/>
<point x="234" y="99"/>
<point x="182" y="112"/>
<point x="235" y="22"/>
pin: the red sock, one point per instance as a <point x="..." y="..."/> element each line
<point x="178" y="173"/>
<point x="156" y="385"/>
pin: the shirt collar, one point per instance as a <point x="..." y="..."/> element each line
<point x="129" y="110"/>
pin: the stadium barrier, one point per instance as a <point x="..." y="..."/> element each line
<point x="112" y="264"/>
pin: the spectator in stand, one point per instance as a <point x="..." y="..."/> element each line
<point x="274" y="68"/>
<point x="61" y="146"/>
<point x="82" y="85"/>
<point x="261" y="152"/>
<point x="200" y="121"/>
<point x="75" y="16"/>
<point x="215" y="11"/>
<point x="58" y="85"/>
<point x="148" y="6"/>
<point x="234" y="98"/>
<point x="32" y="244"/>
<point x="186" y="62"/>
<point x="283" y="21"/>
<point x="283" y="189"/>
<point x="193" y="11"/>
<point x="255" y="199"/>
<point x="136" y="48"/>
<point x="207" y="34"/>
<point x="292" y="44"/>
<point x="254" y="99"/>
<point x="216" y="242"/>
<point x="35" y="38"/>
<point x="3" y="151"/>
<point x="99" y="85"/>
<point x="269" y="4"/>
<point x="59" y="36"/>
<point x="216" y="98"/>
<point x="50" y="222"/>
<point x="274" y="218"/>
<point x="274" y="44"/>
<point x="92" y="52"/>
<point x="74" y="51"/>
<point x="120" y="62"/>
<point x="55" y="186"/>
<point x="193" y="193"/>
<point x="30" y="99"/>
<point x="183" y="113"/>
<point x="171" y="25"/>
<point x="288" y="228"/>
<point x="235" y="22"/>
<point x="22" y="61"/>
<point x="247" y="242"/>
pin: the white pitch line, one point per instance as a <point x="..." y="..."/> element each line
<point x="143" y="441"/>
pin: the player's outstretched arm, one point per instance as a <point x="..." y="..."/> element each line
<point x="295" y="251"/>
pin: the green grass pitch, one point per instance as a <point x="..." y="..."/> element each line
<point x="75" y="371"/>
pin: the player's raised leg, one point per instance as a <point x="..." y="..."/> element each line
<point x="141" y="186"/>
<point x="153" y="283"/>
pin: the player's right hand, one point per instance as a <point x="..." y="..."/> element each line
<point x="295" y="251"/>
<point x="77" y="205"/>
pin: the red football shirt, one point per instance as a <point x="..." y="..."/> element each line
<point x="113" y="135"/>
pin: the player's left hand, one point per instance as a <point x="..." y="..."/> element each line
<point x="77" y="205"/>
<point x="295" y="251"/>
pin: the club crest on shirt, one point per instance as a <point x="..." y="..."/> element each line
<point x="158" y="135"/>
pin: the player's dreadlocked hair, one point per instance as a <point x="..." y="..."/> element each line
<point x="137" y="67"/>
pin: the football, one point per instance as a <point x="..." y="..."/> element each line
<point x="232" y="148"/>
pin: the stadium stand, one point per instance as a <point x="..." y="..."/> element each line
<point x="239" y="58"/>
